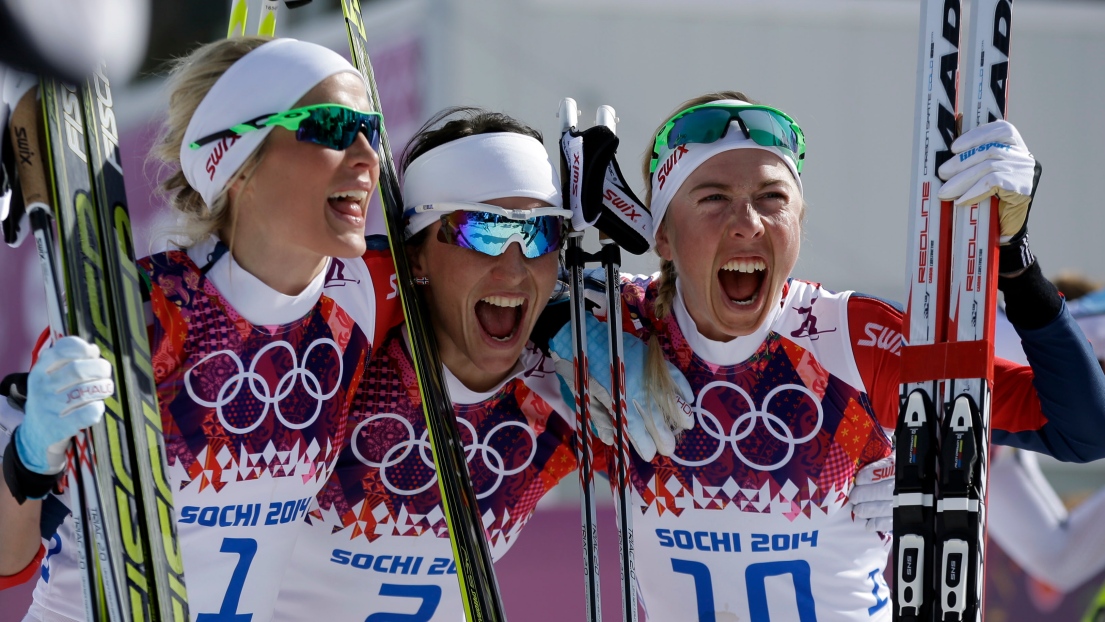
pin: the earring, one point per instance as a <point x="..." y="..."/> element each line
<point x="421" y="280"/>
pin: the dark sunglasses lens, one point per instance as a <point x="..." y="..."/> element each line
<point x="769" y="129"/>
<point x="490" y="233"/>
<point x="706" y="125"/>
<point x="337" y="128"/>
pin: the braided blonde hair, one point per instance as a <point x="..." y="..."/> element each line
<point x="190" y="79"/>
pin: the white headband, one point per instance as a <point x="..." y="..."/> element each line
<point x="478" y="168"/>
<point x="678" y="165"/>
<point x="267" y="80"/>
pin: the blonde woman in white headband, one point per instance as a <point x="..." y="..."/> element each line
<point x="776" y="503"/>
<point x="261" y="324"/>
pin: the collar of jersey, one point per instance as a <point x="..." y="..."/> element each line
<point x="256" y="302"/>
<point x="723" y="353"/>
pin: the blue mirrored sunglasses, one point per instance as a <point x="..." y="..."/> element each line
<point x="490" y="229"/>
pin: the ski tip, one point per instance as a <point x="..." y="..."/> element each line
<point x="238" y="16"/>
<point x="267" y="28"/>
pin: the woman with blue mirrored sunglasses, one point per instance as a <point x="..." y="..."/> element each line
<point x="484" y="226"/>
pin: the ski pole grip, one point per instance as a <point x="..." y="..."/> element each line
<point x="26" y="125"/>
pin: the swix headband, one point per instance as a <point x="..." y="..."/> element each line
<point x="678" y="164"/>
<point x="478" y="168"/>
<point x="269" y="79"/>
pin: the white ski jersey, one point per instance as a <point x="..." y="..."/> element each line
<point x="378" y="548"/>
<point x="748" y="519"/>
<point x="253" y="413"/>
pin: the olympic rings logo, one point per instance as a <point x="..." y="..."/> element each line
<point x="748" y="423"/>
<point x="491" y="457"/>
<point x="259" y="385"/>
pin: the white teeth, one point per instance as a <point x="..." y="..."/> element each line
<point x="356" y="195"/>
<point x="745" y="303"/>
<point x="745" y="265"/>
<point x="504" y="301"/>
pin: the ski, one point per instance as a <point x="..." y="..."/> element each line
<point x="137" y="389"/>
<point x="35" y="180"/>
<point x="112" y="506"/>
<point x="947" y="365"/>
<point x="475" y="572"/>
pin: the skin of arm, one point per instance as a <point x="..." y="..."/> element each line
<point x="20" y="537"/>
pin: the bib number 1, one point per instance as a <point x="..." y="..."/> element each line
<point x="246" y="548"/>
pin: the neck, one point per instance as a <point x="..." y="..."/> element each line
<point x="471" y="376"/>
<point x="285" y="268"/>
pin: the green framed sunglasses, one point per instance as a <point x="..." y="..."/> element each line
<point x="331" y="125"/>
<point x="708" y="123"/>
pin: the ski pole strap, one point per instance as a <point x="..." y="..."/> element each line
<point x="22" y="482"/>
<point x="598" y="193"/>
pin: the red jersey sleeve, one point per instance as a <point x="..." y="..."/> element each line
<point x="24" y="575"/>
<point x="875" y="331"/>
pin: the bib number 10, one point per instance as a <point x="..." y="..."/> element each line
<point x="755" y="576"/>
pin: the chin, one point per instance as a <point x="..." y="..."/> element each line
<point x="348" y="246"/>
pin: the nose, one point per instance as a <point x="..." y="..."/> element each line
<point x="510" y="266"/>
<point x="361" y="153"/>
<point x="745" y="221"/>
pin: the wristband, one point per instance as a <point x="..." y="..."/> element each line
<point x="23" y="483"/>
<point x="1031" y="301"/>
<point x="1015" y="256"/>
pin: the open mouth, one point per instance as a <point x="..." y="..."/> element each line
<point x="742" y="280"/>
<point x="349" y="205"/>
<point x="501" y="316"/>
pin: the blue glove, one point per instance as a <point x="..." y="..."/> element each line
<point x="66" y="390"/>
<point x="650" y="430"/>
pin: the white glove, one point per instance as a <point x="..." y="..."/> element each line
<point x="872" y="496"/>
<point x="992" y="159"/>
<point x="66" y="390"/>
<point x="649" y="430"/>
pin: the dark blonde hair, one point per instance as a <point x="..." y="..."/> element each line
<point x="190" y="79"/>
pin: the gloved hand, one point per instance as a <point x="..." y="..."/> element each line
<point x="992" y="159"/>
<point x="872" y="496"/>
<point x="66" y="390"/>
<point x="650" y="431"/>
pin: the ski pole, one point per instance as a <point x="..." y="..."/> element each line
<point x="610" y="256"/>
<point x="574" y="259"/>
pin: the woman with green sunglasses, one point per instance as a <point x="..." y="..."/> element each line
<point x="776" y="502"/>
<point x="262" y="314"/>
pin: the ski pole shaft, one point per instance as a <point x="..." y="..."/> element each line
<point x="623" y="492"/>
<point x="575" y="258"/>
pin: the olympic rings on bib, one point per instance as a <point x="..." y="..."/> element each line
<point x="750" y="422"/>
<point x="492" y="459"/>
<point x="259" y="385"/>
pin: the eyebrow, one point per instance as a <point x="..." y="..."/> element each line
<point x="724" y="186"/>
